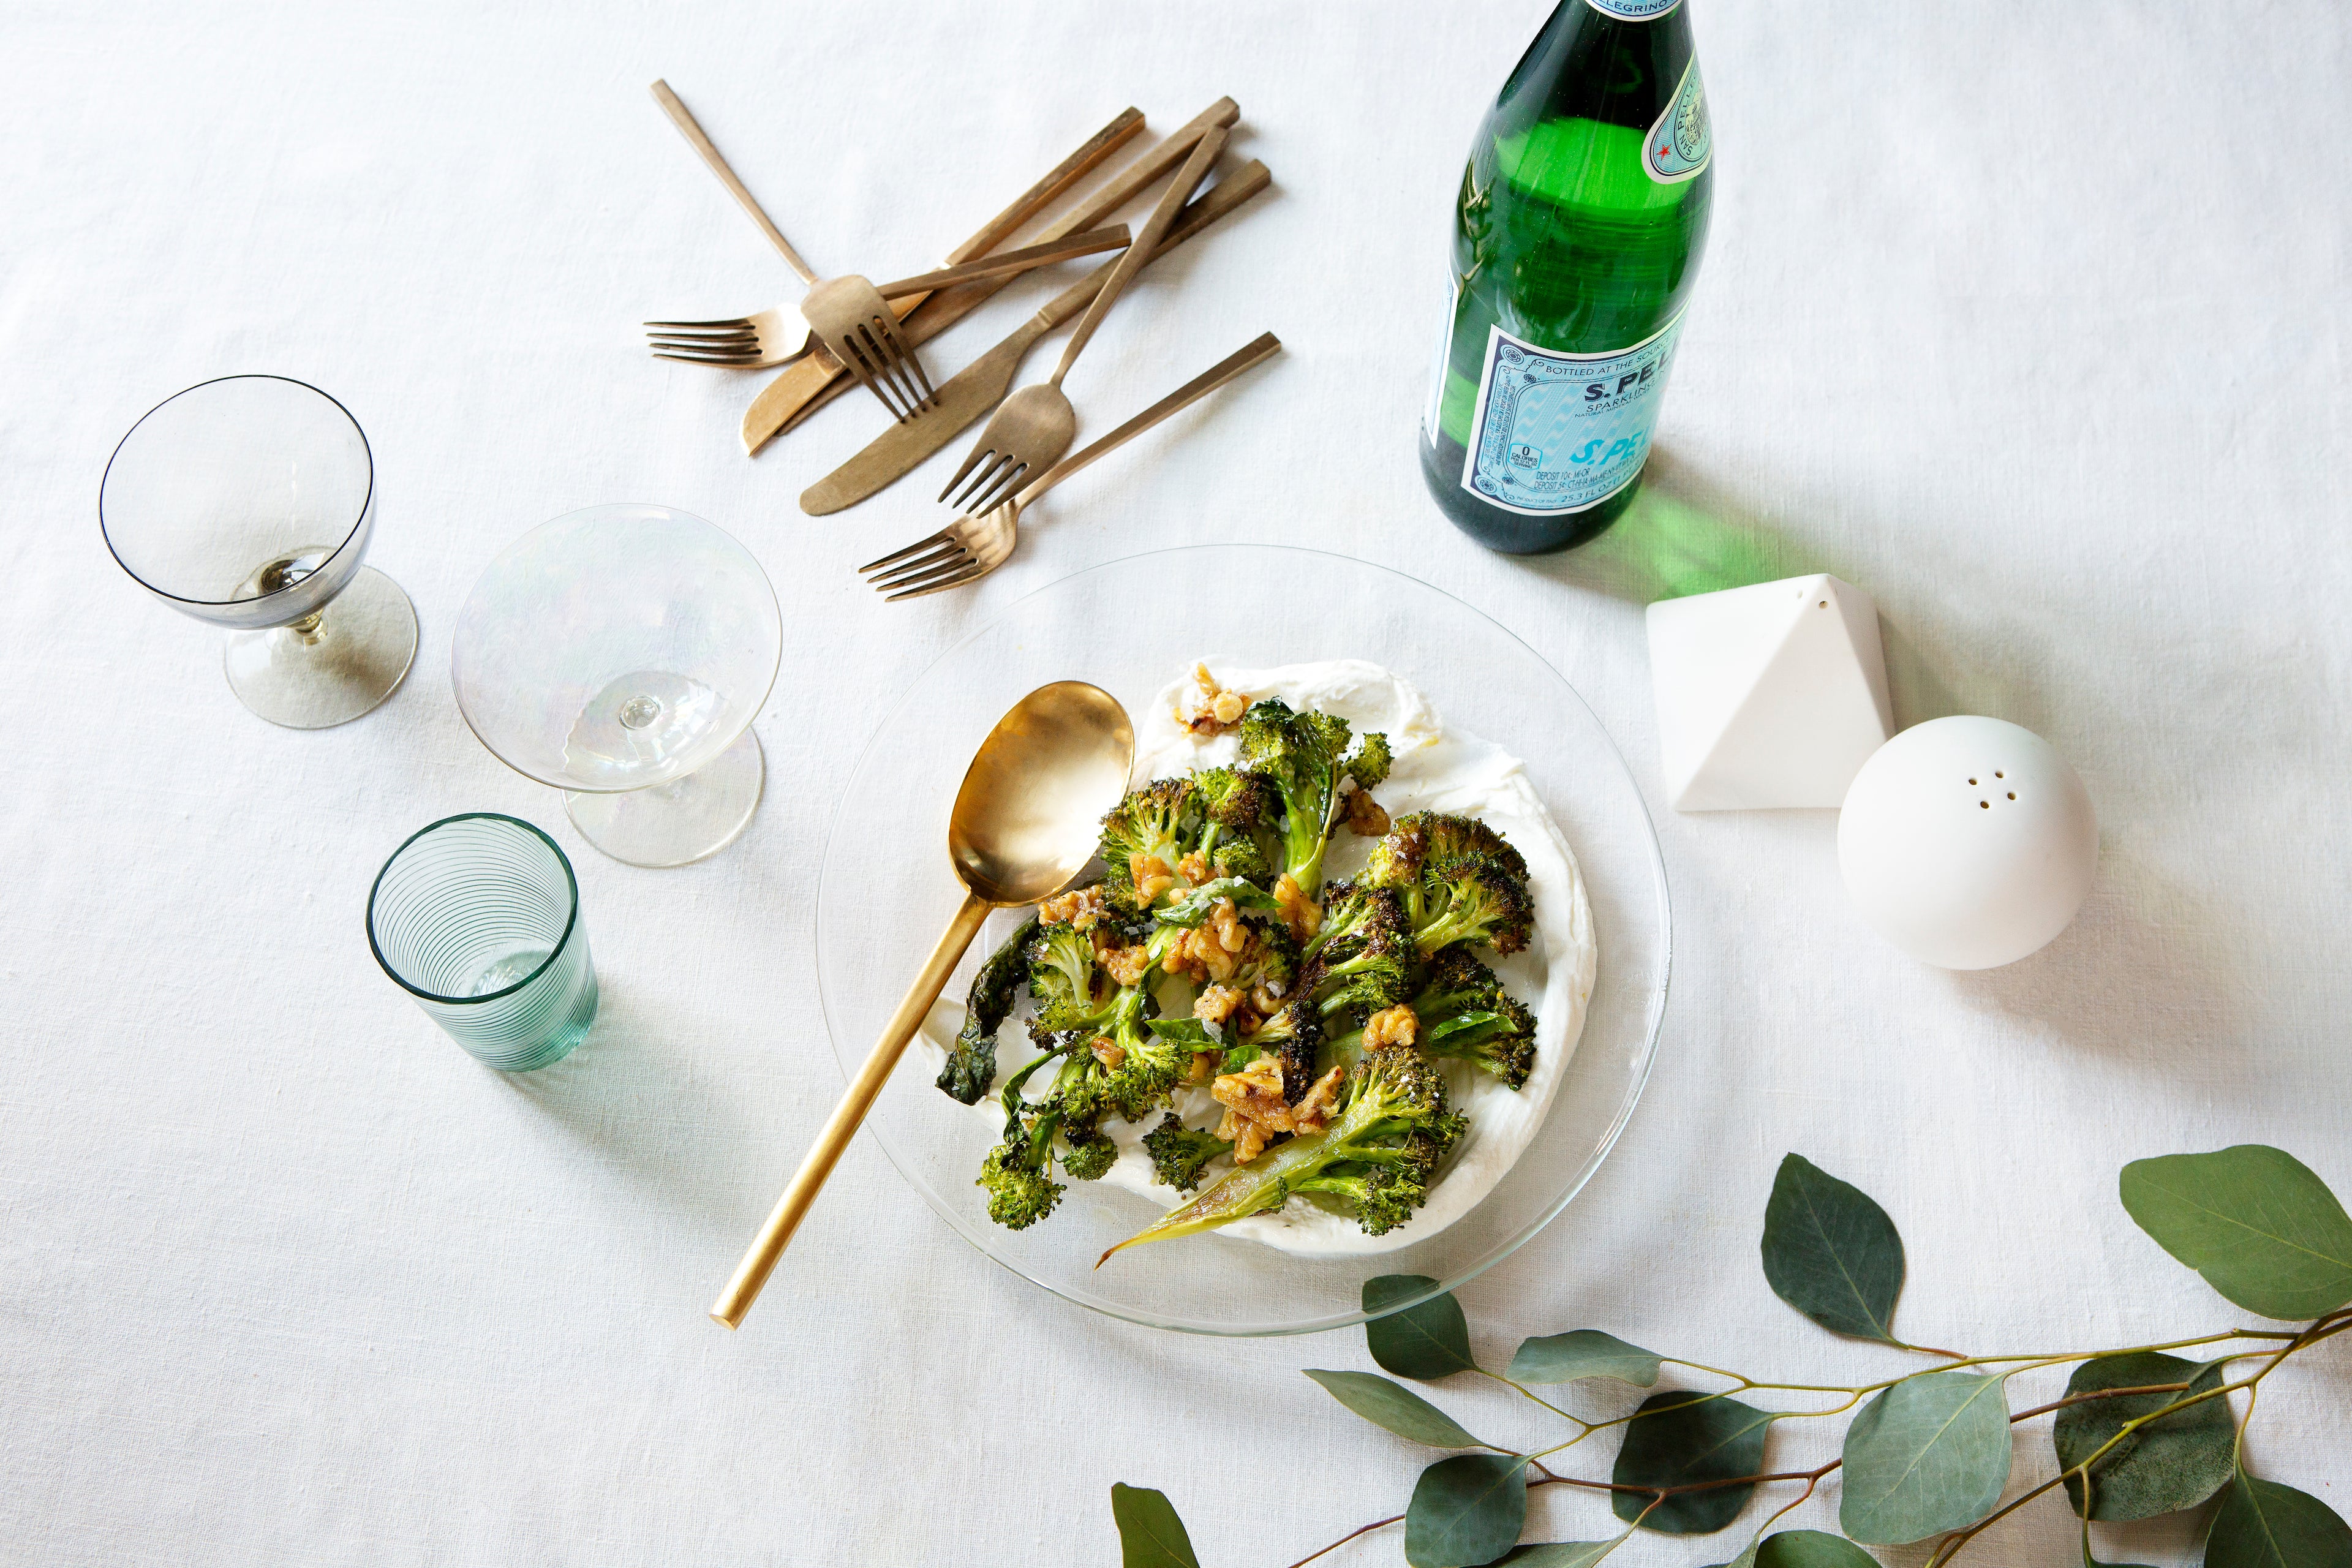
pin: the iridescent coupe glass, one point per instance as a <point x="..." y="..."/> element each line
<point x="246" y="503"/>
<point x="620" y="654"/>
<point x="478" y="917"/>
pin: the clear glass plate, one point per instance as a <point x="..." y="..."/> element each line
<point x="887" y="890"/>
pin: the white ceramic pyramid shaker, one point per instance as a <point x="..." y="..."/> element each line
<point x="1967" y="842"/>
<point x="1772" y="695"/>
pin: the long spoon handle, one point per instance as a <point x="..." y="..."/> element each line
<point x="1179" y="191"/>
<point x="1265" y="347"/>
<point x="760" y="1260"/>
<point x="673" y="106"/>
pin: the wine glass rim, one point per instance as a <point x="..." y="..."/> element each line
<point x="570" y="921"/>
<point x="574" y="786"/>
<point x="1654" y="1012"/>
<point x="366" y="502"/>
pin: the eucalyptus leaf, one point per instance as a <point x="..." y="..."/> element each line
<point x="1812" y="1549"/>
<point x="1563" y="1554"/>
<point x="1149" y="1534"/>
<point x="1395" y="1406"/>
<point x="1466" y="1511"/>
<point x="1682" y="1438"/>
<point x="1426" y="1341"/>
<point x="1583" y="1352"/>
<point x="2256" y="1221"/>
<point x="2161" y="1467"/>
<point x="2262" y="1525"/>
<point x="1931" y="1453"/>
<point x="1831" y="1253"/>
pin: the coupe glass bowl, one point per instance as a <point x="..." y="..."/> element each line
<point x="1132" y="627"/>
<point x="620" y="653"/>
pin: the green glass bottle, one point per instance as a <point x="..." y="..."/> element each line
<point x="1575" y="239"/>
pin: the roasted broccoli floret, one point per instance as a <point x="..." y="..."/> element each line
<point x="1375" y="972"/>
<point x="1069" y="990"/>
<point x="1380" y="1154"/>
<point x="1305" y="756"/>
<point x="1018" y="1195"/>
<point x="971" y="1064"/>
<point x="1157" y="822"/>
<point x="1177" y="1152"/>
<point x="1465" y="1013"/>
<point x="1088" y="1154"/>
<point x="1431" y="838"/>
<point x="1474" y="900"/>
<point x="1369" y="766"/>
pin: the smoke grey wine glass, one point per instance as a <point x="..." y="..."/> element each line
<point x="246" y="503"/>
<point x="478" y="917"/>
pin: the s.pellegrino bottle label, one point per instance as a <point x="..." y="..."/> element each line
<point x="1557" y="432"/>
<point x="1679" y="142"/>
<point x="1634" y="10"/>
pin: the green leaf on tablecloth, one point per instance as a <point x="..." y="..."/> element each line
<point x="1149" y="1534"/>
<point x="2161" y="1467"/>
<point x="1466" y="1511"/>
<point x="1395" y="1406"/>
<point x="1426" y="1341"/>
<point x="1583" y="1352"/>
<point x="2256" y="1221"/>
<point x="1931" y="1453"/>
<point x="1831" y="1253"/>
<point x="2262" y="1525"/>
<point x="1681" y="1437"/>
<point x="1562" y="1554"/>
<point x="1811" y="1549"/>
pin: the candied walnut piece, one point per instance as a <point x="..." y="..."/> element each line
<point x="1254" y="1110"/>
<point x="1265" y="997"/>
<point x="1082" y="909"/>
<point x="1302" y="914"/>
<point x="1313" y="1111"/>
<point x="1151" y="876"/>
<point x="1217" y="1003"/>
<point x="1194" y="867"/>
<point x="1232" y="932"/>
<point x="1216" y="710"/>
<point x="1109" y="1052"/>
<point x="1398" y="1026"/>
<point x="1204" y="1065"/>
<point x="1365" y="815"/>
<point x="1126" y="964"/>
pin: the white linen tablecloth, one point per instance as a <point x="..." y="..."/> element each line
<point x="2030" y="320"/>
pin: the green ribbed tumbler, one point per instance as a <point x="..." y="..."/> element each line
<point x="478" y="917"/>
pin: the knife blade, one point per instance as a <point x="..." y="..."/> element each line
<point x="817" y="379"/>
<point x="981" y="384"/>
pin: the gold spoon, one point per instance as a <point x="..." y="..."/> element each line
<point x="1023" y="829"/>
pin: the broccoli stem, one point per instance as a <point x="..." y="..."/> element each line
<point x="1261" y="1184"/>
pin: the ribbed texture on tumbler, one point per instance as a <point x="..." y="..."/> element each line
<point x="478" y="917"/>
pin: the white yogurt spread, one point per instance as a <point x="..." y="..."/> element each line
<point x="1435" y="769"/>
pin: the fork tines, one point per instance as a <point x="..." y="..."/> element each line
<point x="998" y="476"/>
<point x="733" y="341"/>
<point x="927" y="564"/>
<point x="879" y="355"/>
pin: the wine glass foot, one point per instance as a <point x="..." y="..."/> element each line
<point x="354" y="654"/>
<point x="679" y="822"/>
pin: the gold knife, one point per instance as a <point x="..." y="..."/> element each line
<point x="803" y="388"/>
<point x="981" y="384"/>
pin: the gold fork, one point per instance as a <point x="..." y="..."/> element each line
<point x="847" y="314"/>
<point x="1036" y="424"/>
<point x="970" y="547"/>
<point x="769" y="338"/>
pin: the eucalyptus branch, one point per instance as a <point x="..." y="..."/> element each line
<point x="1931" y="1447"/>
